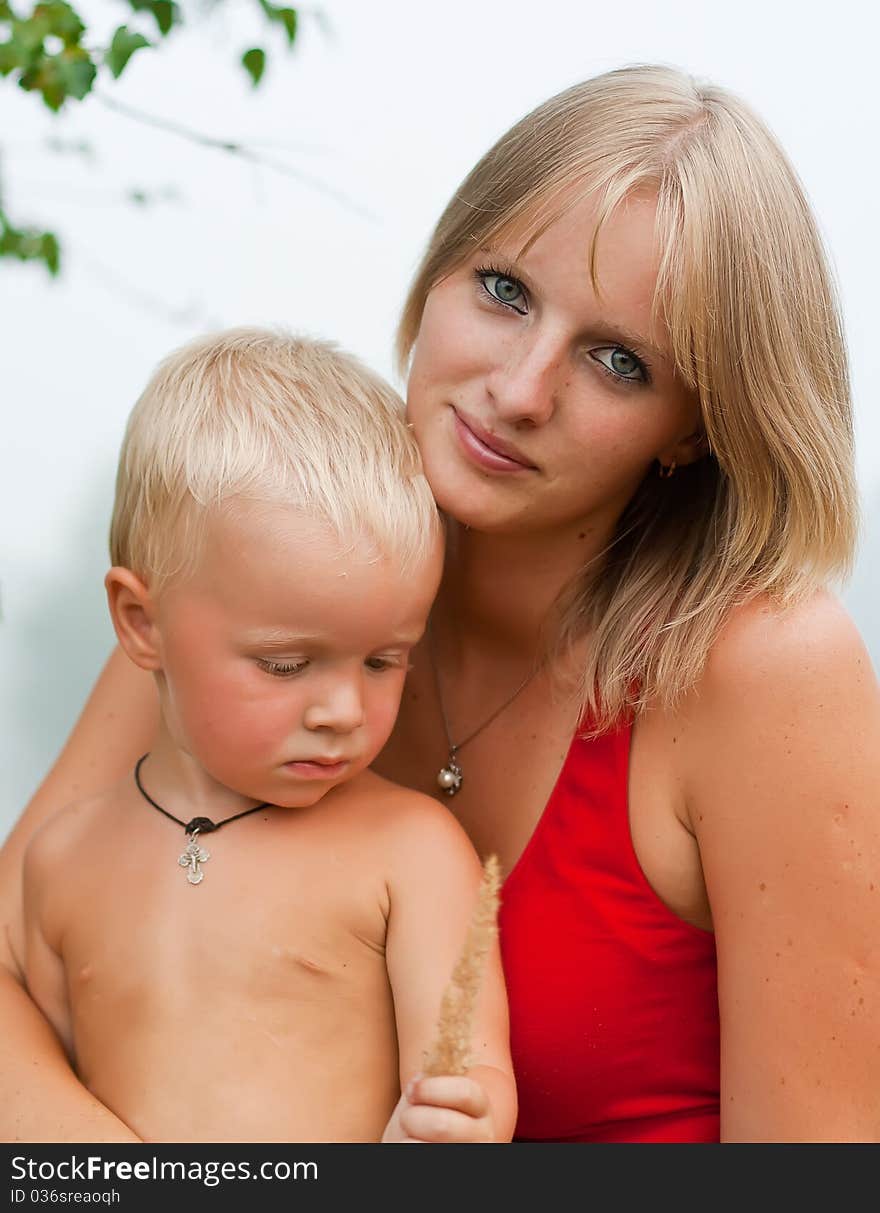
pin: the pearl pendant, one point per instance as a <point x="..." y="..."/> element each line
<point x="449" y="777"/>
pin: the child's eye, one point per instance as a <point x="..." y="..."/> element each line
<point x="621" y="363"/>
<point x="281" y="669"/>
<point x="386" y="663"/>
<point x="503" y="289"/>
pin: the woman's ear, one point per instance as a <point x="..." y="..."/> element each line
<point x="133" y="613"/>
<point x="688" y="450"/>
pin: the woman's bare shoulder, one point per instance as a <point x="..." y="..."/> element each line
<point x="785" y="668"/>
<point x="765" y="651"/>
<point x="781" y="687"/>
<point x="783" y="765"/>
<point x="783" y="736"/>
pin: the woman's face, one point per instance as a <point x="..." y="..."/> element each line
<point x="537" y="402"/>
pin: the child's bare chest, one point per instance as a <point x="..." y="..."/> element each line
<point x="271" y="968"/>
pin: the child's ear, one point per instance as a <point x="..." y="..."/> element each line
<point x="133" y="612"/>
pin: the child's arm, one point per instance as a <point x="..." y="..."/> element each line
<point x="433" y="891"/>
<point x="49" y="1104"/>
<point x="40" y="1097"/>
<point x="43" y="966"/>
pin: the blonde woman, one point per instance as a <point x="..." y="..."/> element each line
<point x="628" y="382"/>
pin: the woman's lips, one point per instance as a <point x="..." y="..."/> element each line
<point x="486" y="451"/>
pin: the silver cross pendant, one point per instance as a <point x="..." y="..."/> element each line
<point x="192" y="858"/>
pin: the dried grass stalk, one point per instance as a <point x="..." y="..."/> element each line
<point x="450" y="1052"/>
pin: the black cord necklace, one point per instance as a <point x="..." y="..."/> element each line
<point x="194" y="855"/>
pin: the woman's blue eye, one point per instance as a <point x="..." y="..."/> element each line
<point x="621" y="362"/>
<point x="505" y="290"/>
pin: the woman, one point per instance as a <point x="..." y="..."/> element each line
<point x="629" y="386"/>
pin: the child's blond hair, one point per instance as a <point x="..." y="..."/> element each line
<point x="262" y="415"/>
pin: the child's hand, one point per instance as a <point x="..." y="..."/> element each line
<point x="441" y="1109"/>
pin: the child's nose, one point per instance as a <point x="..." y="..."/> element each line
<point x="339" y="707"/>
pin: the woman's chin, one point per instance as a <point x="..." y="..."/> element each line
<point x="479" y="499"/>
<point x="484" y="513"/>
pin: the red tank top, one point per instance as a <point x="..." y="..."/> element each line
<point x="613" y="998"/>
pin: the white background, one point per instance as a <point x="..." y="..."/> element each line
<point x="389" y="109"/>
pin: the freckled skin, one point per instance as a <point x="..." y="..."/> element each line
<point x="532" y="380"/>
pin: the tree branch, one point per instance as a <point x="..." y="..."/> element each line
<point x="234" y="148"/>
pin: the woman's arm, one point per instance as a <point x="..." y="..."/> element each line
<point x="40" y="1098"/>
<point x="784" y="792"/>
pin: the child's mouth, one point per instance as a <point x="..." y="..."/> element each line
<point x="309" y="768"/>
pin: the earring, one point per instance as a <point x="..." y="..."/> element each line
<point x="666" y="471"/>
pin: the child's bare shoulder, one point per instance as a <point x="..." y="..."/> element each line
<point x="400" y="804"/>
<point x="412" y="823"/>
<point x="66" y="831"/>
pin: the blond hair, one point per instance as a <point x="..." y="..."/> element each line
<point x="746" y="295"/>
<point x="251" y="413"/>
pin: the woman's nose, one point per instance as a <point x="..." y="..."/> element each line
<point x="525" y="385"/>
<point x="338" y="706"/>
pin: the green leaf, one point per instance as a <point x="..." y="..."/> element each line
<point x="10" y="58"/>
<point x="77" y="71"/>
<point x="63" y="21"/>
<point x="50" y="252"/>
<point x="254" y="63"/>
<point x="287" y="17"/>
<point x="45" y="78"/>
<point x="282" y="16"/>
<point x="70" y="73"/>
<point x="123" y="46"/>
<point x="29" y="244"/>
<point x="30" y="35"/>
<point x="165" y="12"/>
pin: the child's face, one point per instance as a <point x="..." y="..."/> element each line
<point x="283" y="657"/>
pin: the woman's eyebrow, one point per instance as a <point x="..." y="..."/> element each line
<point x="619" y="334"/>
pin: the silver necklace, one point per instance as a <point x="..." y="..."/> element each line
<point x="451" y="776"/>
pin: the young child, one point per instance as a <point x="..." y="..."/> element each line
<point x="275" y="553"/>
